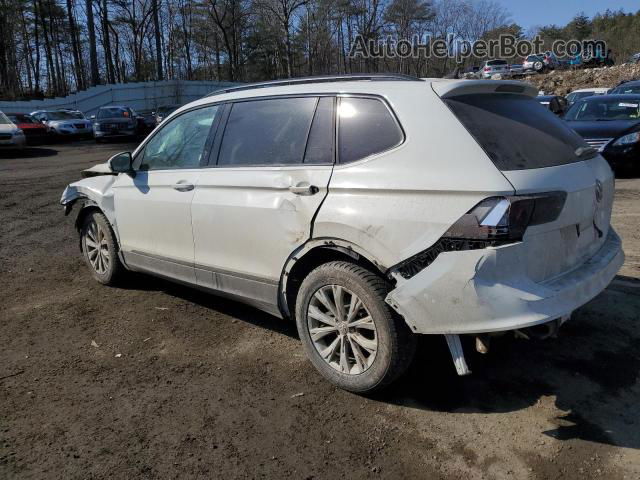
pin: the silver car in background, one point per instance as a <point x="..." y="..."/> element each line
<point x="493" y="67"/>
<point x="10" y="135"/>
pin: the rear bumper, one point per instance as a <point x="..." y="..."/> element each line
<point x="481" y="291"/>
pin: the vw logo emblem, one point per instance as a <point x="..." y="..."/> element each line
<point x="598" y="191"/>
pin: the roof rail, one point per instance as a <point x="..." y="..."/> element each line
<point x="319" y="79"/>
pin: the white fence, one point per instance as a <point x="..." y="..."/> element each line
<point x="139" y="96"/>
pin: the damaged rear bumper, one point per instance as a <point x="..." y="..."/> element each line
<point x="480" y="291"/>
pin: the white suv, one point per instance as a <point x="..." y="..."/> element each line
<point x="368" y="209"/>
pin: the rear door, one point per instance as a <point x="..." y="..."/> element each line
<point x="256" y="203"/>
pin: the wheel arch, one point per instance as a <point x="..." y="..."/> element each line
<point x="87" y="207"/>
<point x="313" y="254"/>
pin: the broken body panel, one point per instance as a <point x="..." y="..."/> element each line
<point x="558" y="266"/>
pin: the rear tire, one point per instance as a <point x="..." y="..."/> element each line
<point x="348" y="331"/>
<point x="100" y="249"/>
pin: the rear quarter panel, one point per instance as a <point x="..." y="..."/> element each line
<point x="398" y="203"/>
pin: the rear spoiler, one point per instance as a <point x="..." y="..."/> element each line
<point x="447" y="89"/>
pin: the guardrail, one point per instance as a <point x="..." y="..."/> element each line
<point x="138" y="95"/>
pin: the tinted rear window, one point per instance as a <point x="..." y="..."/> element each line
<point x="366" y="127"/>
<point x="516" y="131"/>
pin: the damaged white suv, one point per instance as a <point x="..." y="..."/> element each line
<point x="369" y="209"/>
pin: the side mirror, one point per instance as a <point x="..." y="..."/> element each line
<point x="122" y="163"/>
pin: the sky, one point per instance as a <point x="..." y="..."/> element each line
<point x="527" y="13"/>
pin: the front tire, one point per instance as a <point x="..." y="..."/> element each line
<point x="349" y="333"/>
<point x="100" y="249"/>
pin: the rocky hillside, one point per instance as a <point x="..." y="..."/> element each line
<point x="565" y="81"/>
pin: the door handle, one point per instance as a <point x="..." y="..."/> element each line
<point x="183" y="186"/>
<point x="304" y="189"/>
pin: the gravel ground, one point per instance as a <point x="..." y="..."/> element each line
<point x="154" y="380"/>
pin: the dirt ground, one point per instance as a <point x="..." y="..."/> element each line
<point x="179" y="384"/>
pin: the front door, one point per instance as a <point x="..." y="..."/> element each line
<point x="256" y="205"/>
<point x="153" y="208"/>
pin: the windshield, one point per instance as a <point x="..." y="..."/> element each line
<point x="630" y="89"/>
<point x="4" y="120"/>
<point x="59" y="116"/>
<point x="113" y="113"/>
<point x="516" y="132"/>
<point x="594" y="109"/>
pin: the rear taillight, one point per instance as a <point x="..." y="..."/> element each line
<point x="507" y="218"/>
<point x="493" y="222"/>
<point x="487" y="69"/>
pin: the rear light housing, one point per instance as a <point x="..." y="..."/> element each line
<point x="493" y="222"/>
<point x="507" y="218"/>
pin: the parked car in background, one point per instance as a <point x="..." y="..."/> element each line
<point x="64" y="123"/>
<point x="581" y="93"/>
<point x="632" y="87"/>
<point x="116" y="121"/>
<point x="318" y="207"/>
<point x="34" y="131"/>
<point x="493" y="67"/>
<point x="556" y="103"/>
<point x="164" y="111"/>
<point x="10" y="135"/>
<point x="610" y="124"/>
<point x="533" y="63"/>
<point x="635" y="58"/>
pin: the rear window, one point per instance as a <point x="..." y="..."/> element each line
<point x="366" y="127"/>
<point x="516" y="132"/>
<point x="492" y="63"/>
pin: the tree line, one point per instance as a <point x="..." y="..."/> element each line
<point x="55" y="47"/>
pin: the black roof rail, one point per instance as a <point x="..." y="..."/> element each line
<point x="318" y="79"/>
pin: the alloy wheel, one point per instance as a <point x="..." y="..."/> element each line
<point x="97" y="248"/>
<point x="342" y="330"/>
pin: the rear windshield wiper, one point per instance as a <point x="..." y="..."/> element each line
<point x="586" y="152"/>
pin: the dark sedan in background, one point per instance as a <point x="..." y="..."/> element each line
<point x="610" y="124"/>
<point x="115" y="122"/>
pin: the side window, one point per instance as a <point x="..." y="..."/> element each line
<point x="267" y="132"/>
<point x="180" y="143"/>
<point x="366" y="127"/>
<point x="320" y="142"/>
